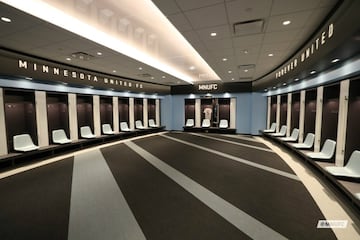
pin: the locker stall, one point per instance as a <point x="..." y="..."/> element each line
<point x="273" y="109"/>
<point x="330" y="113"/>
<point x="152" y="109"/>
<point x="20" y="115"/>
<point x="84" y="107"/>
<point x="189" y="109"/>
<point x="224" y="109"/>
<point x="295" y="110"/>
<point x="283" y="109"/>
<point x="57" y="113"/>
<point x="353" y="120"/>
<point x="310" y="111"/>
<point x="207" y="109"/>
<point x="138" y="109"/>
<point x="106" y="110"/>
<point x="124" y="110"/>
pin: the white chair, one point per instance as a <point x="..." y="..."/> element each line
<point x="271" y="129"/>
<point x="24" y="143"/>
<point x="282" y="132"/>
<point x="357" y="195"/>
<point x="59" y="136"/>
<point x="293" y="137"/>
<point x="189" y="122"/>
<point x="85" y="132"/>
<point x="223" y="123"/>
<point x="106" y="128"/>
<point x="139" y="125"/>
<point x="352" y="168"/>
<point x="307" y="144"/>
<point x="152" y="123"/>
<point x="326" y="152"/>
<point x="205" y="123"/>
<point x="124" y="127"/>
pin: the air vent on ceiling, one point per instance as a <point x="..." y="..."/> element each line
<point x="246" y="66"/>
<point x="248" y="27"/>
<point x="82" y="56"/>
<point x="145" y="75"/>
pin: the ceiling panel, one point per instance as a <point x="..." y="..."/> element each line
<point x="221" y="31"/>
<point x="168" y="6"/>
<point x="207" y="17"/>
<point x="290" y="6"/>
<point x="298" y="20"/>
<point x="245" y="10"/>
<point x="248" y="41"/>
<point x="180" y="21"/>
<point x="191" y="4"/>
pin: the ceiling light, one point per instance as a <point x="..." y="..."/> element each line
<point x="99" y="53"/>
<point x="213" y="34"/>
<point x="68" y="59"/>
<point x="233" y="79"/>
<point x="163" y="77"/>
<point x="114" y="71"/>
<point x="229" y="71"/>
<point x="284" y="84"/>
<point x="224" y="59"/>
<point x="246" y="70"/>
<point x="64" y="16"/>
<point x="312" y="72"/>
<point x="5" y="19"/>
<point x="287" y="22"/>
<point x="335" y="60"/>
<point x="246" y="51"/>
<point x="140" y="68"/>
<point x="152" y="78"/>
<point x="274" y="87"/>
<point x="296" y="79"/>
<point x="270" y="54"/>
<point x="265" y="89"/>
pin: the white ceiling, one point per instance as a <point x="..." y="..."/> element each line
<point x="195" y="19"/>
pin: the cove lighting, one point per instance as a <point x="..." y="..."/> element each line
<point x="147" y="36"/>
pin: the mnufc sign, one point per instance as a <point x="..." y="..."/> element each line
<point x="208" y="87"/>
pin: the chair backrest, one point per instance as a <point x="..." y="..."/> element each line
<point x="223" y="123"/>
<point x="295" y="133"/>
<point x="189" y="122"/>
<point x="354" y="161"/>
<point x="124" y="126"/>
<point x="309" y="139"/>
<point x="85" y="130"/>
<point x="22" y="140"/>
<point x="283" y="129"/>
<point x="59" y="135"/>
<point x="329" y="148"/>
<point x="106" y="128"/>
<point x="273" y="126"/>
<point x="152" y="123"/>
<point x="138" y="124"/>
<point x="206" y="123"/>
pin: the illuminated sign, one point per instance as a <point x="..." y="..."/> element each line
<point x="208" y="87"/>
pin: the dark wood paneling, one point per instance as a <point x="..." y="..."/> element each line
<point x="138" y="109"/>
<point x="20" y="115"/>
<point x="224" y="108"/>
<point x="124" y="110"/>
<point x="85" y="111"/>
<point x="295" y="110"/>
<point x="310" y="111"/>
<point x="273" y="109"/>
<point x="330" y="113"/>
<point x="189" y="109"/>
<point x="57" y="113"/>
<point x="283" y="110"/>
<point x="106" y="110"/>
<point x="151" y="109"/>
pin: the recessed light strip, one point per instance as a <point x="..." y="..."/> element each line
<point x="68" y="18"/>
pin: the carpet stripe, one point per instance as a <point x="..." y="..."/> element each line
<point x="256" y="165"/>
<point x="98" y="208"/>
<point x="244" y="222"/>
<point x="232" y="142"/>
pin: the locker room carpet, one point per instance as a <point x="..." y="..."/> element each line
<point x="170" y="186"/>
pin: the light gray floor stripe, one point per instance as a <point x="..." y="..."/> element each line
<point x="235" y="143"/>
<point x="98" y="209"/>
<point x="244" y="222"/>
<point x="256" y="165"/>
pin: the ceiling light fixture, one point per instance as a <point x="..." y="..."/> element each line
<point x="163" y="77"/>
<point x="296" y="79"/>
<point x="140" y="68"/>
<point x="229" y="71"/>
<point x="114" y="71"/>
<point x="5" y="19"/>
<point x="270" y="54"/>
<point x="246" y="51"/>
<point x="224" y="59"/>
<point x="233" y="79"/>
<point x="284" y="84"/>
<point x="335" y="60"/>
<point x="68" y="59"/>
<point x="213" y="34"/>
<point x="287" y="22"/>
<point x="65" y="16"/>
<point x="246" y="70"/>
<point x="313" y="72"/>
<point x="99" y="53"/>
